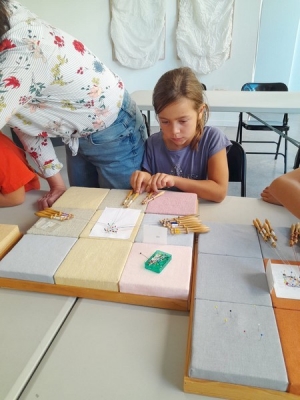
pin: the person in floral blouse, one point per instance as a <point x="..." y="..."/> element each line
<point x="52" y="85"/>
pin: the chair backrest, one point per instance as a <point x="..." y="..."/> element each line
<point x="267" y="87"/>
<point x="147" y="124"/>
<point x="237" y="165"/>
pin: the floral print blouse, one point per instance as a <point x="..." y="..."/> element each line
<point x="51" y="85"/>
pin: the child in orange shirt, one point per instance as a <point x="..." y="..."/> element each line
<point x="16" y="176"/>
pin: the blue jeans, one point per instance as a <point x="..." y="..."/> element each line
<point x="107" y="158"/>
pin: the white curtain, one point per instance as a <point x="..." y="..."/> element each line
<point x="138" y="31"/>
<point x="204" y="33"/>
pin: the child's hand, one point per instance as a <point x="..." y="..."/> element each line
<point x="266" y="196"/>
<point x="50" y="197"/>
<point x="57" y="188"/>
<point x="160" y="181"/>
<point x="139" y="181"/>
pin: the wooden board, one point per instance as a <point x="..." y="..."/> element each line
<point x="220" y="389"/>
<point x="233" y="392"/>
<point x="9" y="236"/>
<point x="105" y="295"/>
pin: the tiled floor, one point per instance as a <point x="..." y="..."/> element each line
<point x="261" y="169"/>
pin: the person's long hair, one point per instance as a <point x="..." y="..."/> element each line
<point x="178" y="83"/>
<point x="4" y="17"/>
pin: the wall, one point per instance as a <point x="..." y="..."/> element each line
<point x="91" y="24"/>
<point x="294" y="82"/>
<point x="278" y="57"/>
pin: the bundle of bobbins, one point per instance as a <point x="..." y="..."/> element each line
<point x="184" y="224"/>
<point x="131" y="196"/>
<point x="295" y="233"/>
<point x="152" y="196"/>
<point x="266" y="231"/>
<point x="54" y="214"/>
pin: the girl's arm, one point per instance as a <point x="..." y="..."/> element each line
<point x="139" y="181"/>
<point x="214" y="188"/>
<point x="12" y="199"/>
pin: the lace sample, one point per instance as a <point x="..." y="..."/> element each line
<point x="138" y="31"/>
<point x="204" y="33"/>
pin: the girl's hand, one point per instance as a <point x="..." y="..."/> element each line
<point x="160" y="181"/>
<point x="266" y="196"/>
<point x="139" y="181"/>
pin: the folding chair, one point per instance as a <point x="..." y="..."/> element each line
<point x="237" y="165"/>
<point x="254" y="125"/>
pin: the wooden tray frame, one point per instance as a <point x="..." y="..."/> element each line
<point x="11" y="245"/>
<point x="95" y="294"/>
<point x="223" y="390"/>
<point x="105" y="295"/>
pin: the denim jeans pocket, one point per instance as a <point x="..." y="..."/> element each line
<point x="113" y="134"/>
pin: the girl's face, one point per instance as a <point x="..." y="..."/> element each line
<point x="178" y="123"/>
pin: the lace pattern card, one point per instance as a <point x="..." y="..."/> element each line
<point x="115" y="223"/>
<point x="284" y="279"/>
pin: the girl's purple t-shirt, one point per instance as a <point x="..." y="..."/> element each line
<point x="186" y="162"/>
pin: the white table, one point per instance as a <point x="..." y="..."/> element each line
<point x="242" y="210"/>
<point x="232" y="101"/>
<point x="22" y="215"/>
<point x="239" y="101"/>
<point x="28" y="324"/>
<point x="103" y="350"/>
